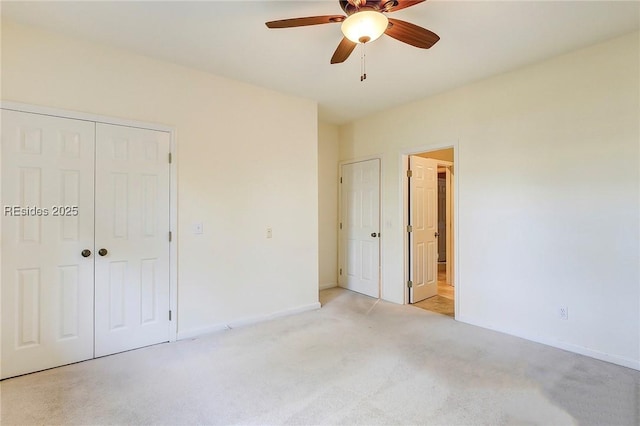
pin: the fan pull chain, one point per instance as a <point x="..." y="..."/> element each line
<point x="363" y="63"/>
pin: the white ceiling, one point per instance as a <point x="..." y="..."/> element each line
<point x="229" y="38"/>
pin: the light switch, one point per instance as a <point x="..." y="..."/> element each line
<point x="198" y="228"/>
<point x="269" y="233"/>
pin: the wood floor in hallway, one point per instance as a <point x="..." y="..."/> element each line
<point x="443" y="302"/>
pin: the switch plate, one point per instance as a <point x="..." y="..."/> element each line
<point x="198" y="228"/>
<point x="269" y="233"/>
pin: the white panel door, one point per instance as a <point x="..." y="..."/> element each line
<point x="132" y="226"/>
<point x="360" y="233"/>
<point x="423" y="199"/>
<point x="47" y="284"/>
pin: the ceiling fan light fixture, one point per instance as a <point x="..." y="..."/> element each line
<point x="364" y="26"/>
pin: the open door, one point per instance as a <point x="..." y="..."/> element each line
<point x="423" y="228"/>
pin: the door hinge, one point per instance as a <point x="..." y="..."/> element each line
<point x="409" y="284"/>
<point x="340" y="225"/>
<point x="340" y="180"/>
<point x="409" y="228"/>
<point x="170" y="158"/>
<point x="409" y="173"/>
<point x="169" y="315"/>
<point x="340" y="271"/>
<point x="170" y="236"/>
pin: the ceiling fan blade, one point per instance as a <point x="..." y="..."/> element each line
<point x="402" y="4"/>
<point x="412" y="34"/>
<point x="303" y="22"/>
<point x="343" y="51"/>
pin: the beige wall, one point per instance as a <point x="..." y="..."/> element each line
<point x="328" y="146"/>
<point x="239" y="170"/>
<point x="547" y="166"/>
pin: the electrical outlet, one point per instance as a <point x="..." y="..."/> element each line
<point x="269" y="233"/>
<point x="563" y="313"/>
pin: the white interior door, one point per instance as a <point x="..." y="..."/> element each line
<point x="47" y="284"/>
<point x="423" y="199"/>
<point x="132" y="226"/>
<point x="360" y="233"/>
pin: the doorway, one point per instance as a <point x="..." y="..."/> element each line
<point x="429" y="216"/>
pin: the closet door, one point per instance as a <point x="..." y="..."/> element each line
<point x="47" y="223"/>
<point x="132" y="238"/>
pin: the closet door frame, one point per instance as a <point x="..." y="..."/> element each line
<point x="173" y="186"/>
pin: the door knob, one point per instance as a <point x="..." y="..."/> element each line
<point x="373" y="234"/>
<point x="86" y="253"/>
<point x="437" y="234"/>
<point x="102" y="252"/>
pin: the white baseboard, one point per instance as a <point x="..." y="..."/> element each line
<point x="201" y="331"/>
<point x="570" y="347"/>
<point x="328" y="285"/>
<point x="286" y="312"/>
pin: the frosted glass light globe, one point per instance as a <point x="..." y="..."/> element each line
<point x="364" y="26"/>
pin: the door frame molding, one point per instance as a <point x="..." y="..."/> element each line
<point x="380" y="216"/>
<point x="403" y="207"/>
<point x="173" y="184"/>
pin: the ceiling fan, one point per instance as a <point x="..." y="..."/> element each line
<point x="365" y="22"/>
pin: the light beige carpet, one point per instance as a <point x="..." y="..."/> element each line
<point x="355" y="361"/>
